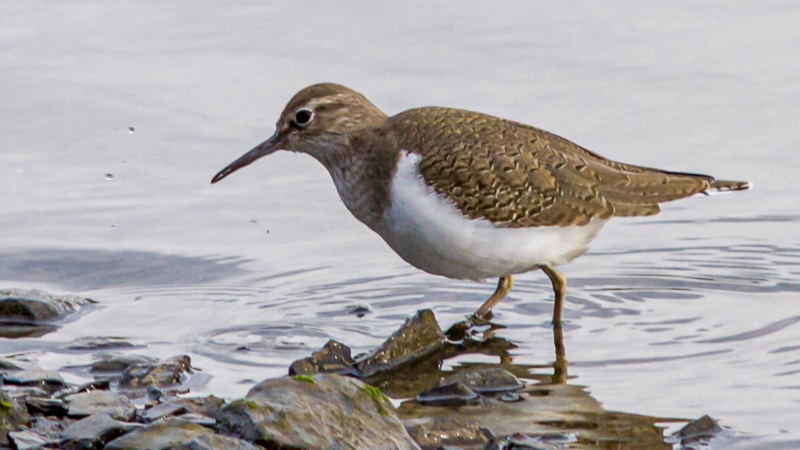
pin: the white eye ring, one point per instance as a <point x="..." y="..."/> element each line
<point x="303" y="117"/>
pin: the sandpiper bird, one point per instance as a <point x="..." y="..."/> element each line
<point x="466" y="195"/>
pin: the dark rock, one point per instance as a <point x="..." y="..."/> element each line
<point x="167" y="374"/>
<point x="94" y="432"/>
<point x="47" y="380"/>
<point x="436" y="432"/>
<point x="46" y="406"/>
<point x="16" y="330"/>
<point x="451" y="394"/>
<point x="28" y="440"/>
<point x="12" y="417"/>
<point x="486" y="381"/>
<point x="118" y="364"/>
<point x="94" y="402"/>
<point x="334" y="357"/>
<point x="358" y="310"/>
<point x="206" y="406"/>
<point x="98" y="343"/>
<point x="704" y="427"/>
<point x="18" y="305"/>
<point x="159" y="436"/>
<point x="163" y="410"/>
<point x="418" y="337"/>
<point x="325" y="411"/>
<point x="212" y="442"/>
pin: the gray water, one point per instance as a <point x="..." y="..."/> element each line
<point x="114" y="116"/>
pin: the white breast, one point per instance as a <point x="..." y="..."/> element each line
<point x="430" y="233"/>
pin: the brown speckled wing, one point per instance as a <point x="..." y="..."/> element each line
<point x="520" y="176"/>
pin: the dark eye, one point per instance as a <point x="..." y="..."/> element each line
<point x="303" y="117"/>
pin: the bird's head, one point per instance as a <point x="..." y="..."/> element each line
<point x="319" y="121"/>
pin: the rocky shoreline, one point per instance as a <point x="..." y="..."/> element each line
<point x="329" y="400"/>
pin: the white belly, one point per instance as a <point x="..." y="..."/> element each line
<point x="430" y="233"/>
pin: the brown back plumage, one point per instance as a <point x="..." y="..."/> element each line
<point x="519" y="176"/>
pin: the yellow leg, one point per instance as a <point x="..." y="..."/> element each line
<point x="504" y="285"/>
<point x="560" y="288"/>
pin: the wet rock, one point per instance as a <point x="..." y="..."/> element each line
<point x="418" y="337"/>
<point x="46" y="406"/>
<point x="12" y="417"/>
<point x="94" y="432"/>
<point x="487" y="381"/>
<point x="198" y="419"/>
<point x="702" y="428"/>
<point x="325" y="411"/>
<point x="118" y="364"/>
<point x="94" y="402"/>
<point x="167" y="374"/>
<point x="334" y="357"/>
<point x="98" y="343"/>
<point x="47" y="380"/>
<point x="162" y="411"/>
<point x="159" y="436"/>
<point x="451" y="394"/>
<point x="18" y="305"/>
<point x="212" y="442"/>
<point x="28" y="440"/>
<point x="437" y="432"/>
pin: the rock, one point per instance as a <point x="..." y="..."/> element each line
<point x="28" y="440"/>
<point x="163" y="410"/>
<point x="167" y="374"/>
<point x="98" y="343"/>
<point x="334" y="357"/>
<point x="702" y="428"/>
<point x="206" y="406"/>
<point x="325" y="411"/>
<point x="118" y="364"/>
<point x="12" y="417"/>
<point x="94" y="432"/>
<point x="451" y="394"/>
<point x="47" y="380"/>
<point x="6" y="365"/>
<point x="486" y="381"/>
<point x="418" y="337"/>
<point x="213" y="442"/>
<point x="159" y="436"/>
<point x="435" y="432"/>
<point x="94" y="402"/>
<point x="46" y="406"/>
<point x="198" y="419"/>
<point x="547" y="441"/>
<point x="33" y="306"/>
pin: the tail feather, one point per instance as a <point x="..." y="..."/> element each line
<point x="722" y="186"/>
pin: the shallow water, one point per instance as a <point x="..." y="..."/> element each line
<point x="115" y="116"/>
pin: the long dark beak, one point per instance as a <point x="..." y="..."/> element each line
<point x="271" y="145"/>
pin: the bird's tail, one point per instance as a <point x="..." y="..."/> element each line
<point x="724" y="186"/>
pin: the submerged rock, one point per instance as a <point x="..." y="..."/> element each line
<point x="702" y="428"/>
<point x="94" y="402"/>
<point x="94" y="432"/>
<point x="486" y="381"/>
<point x="325" y="411"/>
<point x="436" y="432"/>
<point x="144" y="375"/>
<point x="419" y="336"/>
<point x="333" y="357"/>
<point x="98" y="343"/>
<point x="159" y="436"/>
<point x="454" y="393"/>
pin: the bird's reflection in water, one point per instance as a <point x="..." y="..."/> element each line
<point x="547" y="404"/>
